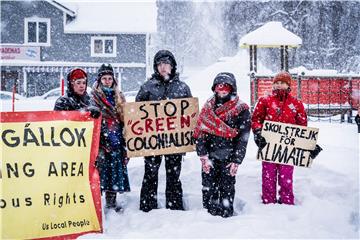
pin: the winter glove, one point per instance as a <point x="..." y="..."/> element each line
<point x="259" y="140"/>
<point x="315" y="152"/>
<point x="233" y="168"/>
<point x="206" y="164"/>
<point x="126" y="159"/>
<point x="94" y="111"/>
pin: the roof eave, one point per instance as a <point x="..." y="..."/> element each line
<point x="62" y="8"/>
<point x="106" y="32"/>
<point x="246" y="45"/>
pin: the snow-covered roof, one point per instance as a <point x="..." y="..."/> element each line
<point x="110" y="16"/>
<point x="271" y="34"/>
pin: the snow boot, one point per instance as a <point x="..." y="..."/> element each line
<point x="110" y="198"/>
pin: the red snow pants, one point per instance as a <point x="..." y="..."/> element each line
<point x="271" y="173"/>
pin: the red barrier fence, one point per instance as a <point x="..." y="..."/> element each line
<point x="323" y="96"/>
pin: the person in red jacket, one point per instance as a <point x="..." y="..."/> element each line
<point x="280" y="106"/>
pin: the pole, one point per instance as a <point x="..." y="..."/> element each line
<point x="13" y="96"/>
<point x="281" y="58"/>
<point x="62" y="82"/>
<point x="251" y="58"/>
<point x="255" y="58"/>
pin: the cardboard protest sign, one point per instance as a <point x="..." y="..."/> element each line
<point x="160" y="127"/>
<point x="49" y="185"/>
<point x="288" y="144"/>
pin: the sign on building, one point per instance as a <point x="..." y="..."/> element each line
<point x="12" y="52"/>
<point x="160" y="127"/>
<point x="288" y="144"/>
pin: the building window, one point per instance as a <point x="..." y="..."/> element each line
<point x="37" y="31"/>
<point x="103" y="46"/>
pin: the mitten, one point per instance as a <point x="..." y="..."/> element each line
<point x="94" y="111"/>
<point x="205" y="164"/>
<point x="259" y="140"/>
<point x="126" y="159"/>
<point x="315" y="152"/>
<point x="233" y="168"/>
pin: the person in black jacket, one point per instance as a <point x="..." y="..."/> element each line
<point x="357" y="119"/>
<point x="76" y="97"/>
<point x="164" y="84"/>
<point x="222" y="134"/>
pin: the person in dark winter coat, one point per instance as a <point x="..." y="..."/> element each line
<point x="222" y="134"/>
<point x="76" y="97"/>
<point x="164" y="84"/>
<point x="357" y="119"/>
<point x="280" y="106"/>
<point x="112" y="159"/>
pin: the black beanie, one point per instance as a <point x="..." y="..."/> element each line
<point x="105" y="69"/>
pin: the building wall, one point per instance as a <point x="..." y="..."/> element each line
<point x="65" y="47"/>
<point x="131" y="48"/>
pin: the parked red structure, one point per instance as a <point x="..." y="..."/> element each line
<point x="323" y="96"/>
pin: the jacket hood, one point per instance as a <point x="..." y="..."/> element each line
<point x="225" y="77"/>
<point x="70" y="90"/>
<point x="165" y="54"/>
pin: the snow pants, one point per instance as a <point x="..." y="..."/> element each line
<point x="173" y="191"/>
<point x="219" y="189"/>
<point x="271" y="173"/>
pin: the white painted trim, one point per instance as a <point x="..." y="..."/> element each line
<point x="48" y="32"/>
<point x="22" y="63"/>
<point x="103" y="38"/>
<point x="61" y="7"/>
<point x="103" y="32"/>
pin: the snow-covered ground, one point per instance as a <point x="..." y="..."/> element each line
<point x="327" y="199"/>
<point x="327" y="194"/>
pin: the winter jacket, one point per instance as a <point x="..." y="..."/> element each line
<point x="71" y="102"/>
<point x="233" y="149"/>
<point x="271" y="108"/>
<point x="357" y="120"/>
<point x="227" y="149"/>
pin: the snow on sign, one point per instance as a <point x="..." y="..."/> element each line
<point x="288" y="144"/>
<point x="49" y="184"/>
<point x="160" y="127"/>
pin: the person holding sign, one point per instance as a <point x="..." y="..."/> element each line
<point x="222" y="134"/>
<point x="112" y="159"/>
<point x="76" y="97"/>
<point x="164" y="84"/>
<point x="280" y="106"/>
